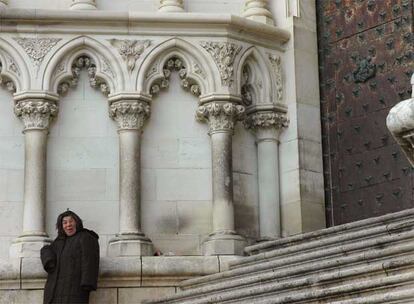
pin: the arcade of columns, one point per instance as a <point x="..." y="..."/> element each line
<point x="222" y="103"/>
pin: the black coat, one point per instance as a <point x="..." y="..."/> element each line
<point x="72" y="264"/>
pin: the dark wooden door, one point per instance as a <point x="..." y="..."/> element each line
<point x="366" y="61"/>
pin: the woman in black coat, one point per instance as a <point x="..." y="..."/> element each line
<point x="71" y="261"/>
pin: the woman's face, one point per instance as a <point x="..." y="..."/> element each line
<point x="69" y="225"/>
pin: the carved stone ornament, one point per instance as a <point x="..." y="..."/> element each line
<point x="175" y="64"/>
<point x="365" y="70"/>
<point x="220" y="116"/>
<point x="35" y="114"/>
<point x="266" y="119"/>
<point x="5" y="82"/>
<point x="223" y="54"/>
<point x="12" y="66"/>
<point x="130" y="114"/>
<point x="246" y="89"/>
<point x="95" y="82"/>
<point x="277" y="70"/>
<point x="130" y="50"/>
<point x="37" y="48"/>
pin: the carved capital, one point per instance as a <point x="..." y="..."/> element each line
<point x="223" y="54"/>
<point x="130" y="114"/>
<point x="35" y="114"/>
<point x="266" y="120"/>
<point x="221" y="117"/>
<point x="130" y="50"/>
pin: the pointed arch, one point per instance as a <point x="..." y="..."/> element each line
<point x="197" y="67"/>
<point x="14" y="70"/>
<point x="260" y="76"/>
<point x="106" y="69"/>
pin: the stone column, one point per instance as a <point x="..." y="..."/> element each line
<point x="83" y="5"/>
<point x="221" y="117"/>
<point x="267" y="125"/>
<point x="36" y="111"/>
<point x="130" y="115"/>
<point x="258" y="10"/>
<point x="171" y="6"/>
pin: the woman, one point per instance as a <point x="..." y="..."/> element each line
<point x="71" y="261"/>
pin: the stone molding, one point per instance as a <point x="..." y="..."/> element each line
<point x="171" y="6"/>
<point x="220" y="116"/>
<point x="130" y="50"/>
<point x="37" y="48"/>
<point x="223" y="54"/>
<point x="83" y="5"/>
<point x="266" y="120"/>
<point x="130" y="114"/>
<point x="35" y="114"/>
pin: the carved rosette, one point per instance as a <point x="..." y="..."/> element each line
<point x="266" y="120"/>
<point x="95" y="82"/>
<point x="221" y="117"/>
<point x="130" y="50"/>
<point x="130" y="114"/>
<point x="35" y="114"/>
<point x="277" y="70"/>
<point x="175" y="64"/>
<point x="223" y="54"/>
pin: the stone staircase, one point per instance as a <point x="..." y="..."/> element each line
<point x="370" y="261"/>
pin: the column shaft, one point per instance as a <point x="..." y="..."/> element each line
<point x="35" y="182"/>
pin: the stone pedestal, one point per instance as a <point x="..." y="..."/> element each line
<point x="36" y="111"/>
<point x="221" y="117"/>
<point x="258" y="10"/>
<point x="83" y="5"/>
<point x="171" y="6"/>
<point x="130" y="114"/>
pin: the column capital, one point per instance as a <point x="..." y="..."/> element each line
<point x="36" y="110"/>
<point x="130" y="114"/>
<point x="171" y="6"/>
<point x="266" y="120"/>
<point x="221" y="116"/>
<point x="258" y="10"/>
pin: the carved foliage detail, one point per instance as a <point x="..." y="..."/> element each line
<point x="223" y="54"/>
<point x="6" y="82"/>
<point x="175" y="64"/>
<point x="277" y="70"/>
<point x="246" y="89"/>
<point x="266" y="119"/>
<point x="35" y="114"/>
<point x="130" y="50"/>
<point x="37" y="48"/>
<point x="220" y="116"/>
<point x="95" y="82"/>
<point x="130" y="114"/>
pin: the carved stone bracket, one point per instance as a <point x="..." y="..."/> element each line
<point x="37" y="48"/>
<point x="176" y="64"/>
<point x="94" y="81"/>
<point x="266" y="119"/>
<point x="223" y="54"/>
<point x="130" y="50"/>
<point x="277" y="70"/>
<point x="220" y="116"/>
<point x="130" y="114"/>
<point x="35" y="114"/>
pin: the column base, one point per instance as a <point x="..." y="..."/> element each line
<point x="26" y="246"/>
<point x="130" y="245"/>
<point x="223" y="244"/>
<point x="85" y="5"/>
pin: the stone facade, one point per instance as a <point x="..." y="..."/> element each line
<point x="164" y="125"/>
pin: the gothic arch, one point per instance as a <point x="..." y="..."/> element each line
<point x="106" y="70"/>
<point x="14" y="72"/>
<point x="197" y="72"/>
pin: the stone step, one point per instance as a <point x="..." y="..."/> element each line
<point x="348" y="253"/>
<point x="334" y="277"/>
<point x="402" y="296"/>
<point x="325" y="237"/>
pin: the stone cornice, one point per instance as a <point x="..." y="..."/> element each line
<point x="194" y="24"/>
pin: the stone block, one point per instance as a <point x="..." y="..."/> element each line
<point x="313" y="217"/>
<point x="289" y="155"/>
<point x="159" y="217"/>
<point x="9" y="275"/>
<point x="126" y="248"/>
<point x="158" y="152"/>
<point x="33" y="276"/>
<point x="194" y="152"/>
<point x="21" y="296"/>
<point x="15" y="185"/>
<point x="119" y="271"/>
<point x="289" y="186"/>
<point x="148" y="185"/>
<point x="11" y="218"/>
<point x="311" y="186"/>
<point x="112" y="184"/>
<point x="185" y="184"/>
<point x="139" y="295"/>
<point x="104" y="296"/>
<point x="291" y="216"/>
<point x="176" y="244"/>
<point x="309" y="125"/>
<point x="194" y="217"/>
<point x="5" y="242"/>
<point x="12" y="152"/>
<point x="223" y="245"/>
<point x="3" y="185"/>
<point x="310" y="154"/>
